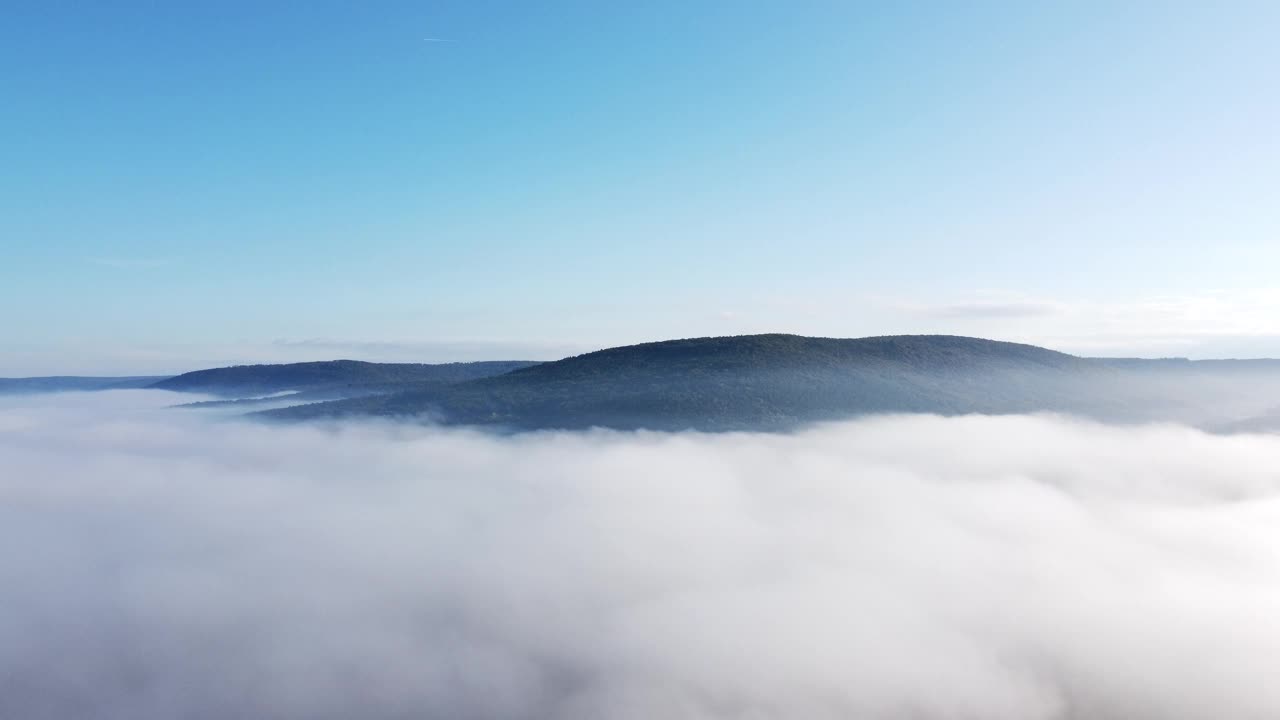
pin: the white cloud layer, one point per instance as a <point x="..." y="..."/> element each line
<point x="160" y="564"/>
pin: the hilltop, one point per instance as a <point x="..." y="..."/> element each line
<point x="249" y="380"/>
<point x="753" y="382"/>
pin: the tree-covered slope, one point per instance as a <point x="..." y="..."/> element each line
<point x="756" y="382"/>
<point x="245" y="380"/>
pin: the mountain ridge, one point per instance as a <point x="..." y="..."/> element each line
<point x="242" y="380"/>
<point x="768" y="381"/>
<point x="75" y="383"/>
<point x="773" y="381"/>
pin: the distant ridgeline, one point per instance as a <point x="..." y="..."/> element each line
<point x="780" y="382"/>
<point x="260" y="384"/>
<point x="250" y="380"/>
<point x="749" y="383"/>
<point x="72" y="383"/>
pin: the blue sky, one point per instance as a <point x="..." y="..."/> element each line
<point x="187" y="184"/>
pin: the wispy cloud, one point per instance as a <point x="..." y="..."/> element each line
<point x="1210" y="323"/>
<point x="995" y="309"/>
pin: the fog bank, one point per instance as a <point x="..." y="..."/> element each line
<point x="158" y="564"/>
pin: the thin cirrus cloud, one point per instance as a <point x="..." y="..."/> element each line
<point x="1225" y="323"/>
<point x="993" y="309"/>
<point x="157" y="564"/>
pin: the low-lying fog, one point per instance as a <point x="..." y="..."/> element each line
<point x="159" y="564"/>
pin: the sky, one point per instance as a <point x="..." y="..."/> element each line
<point x="187" y="184"/>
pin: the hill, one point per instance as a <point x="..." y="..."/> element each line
<point x="73" y="383"/>
<point x="336" y="375"/>
<point x="760" y="382"/>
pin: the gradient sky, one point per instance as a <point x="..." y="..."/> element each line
<point x="187" y="184"/>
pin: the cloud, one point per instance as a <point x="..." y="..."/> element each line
<point x="989" y="309"/>
<point x="1213" y="323"/>
<point x="157" y="564"/>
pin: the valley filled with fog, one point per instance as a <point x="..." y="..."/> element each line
<point x="159" y="563"/>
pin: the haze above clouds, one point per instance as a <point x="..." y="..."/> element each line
<point x="159" y="564"/>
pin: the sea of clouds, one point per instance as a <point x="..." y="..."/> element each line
<point x="159" y="564"/>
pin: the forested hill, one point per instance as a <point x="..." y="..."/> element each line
<point x="245" y="380"/>
<point x="759" y="382"/>
<point x="927" y="353"/>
